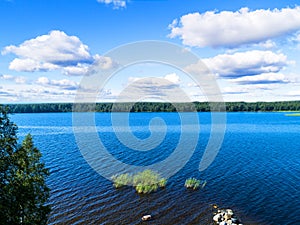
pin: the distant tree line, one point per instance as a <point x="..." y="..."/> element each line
<point x="155" y="107"/>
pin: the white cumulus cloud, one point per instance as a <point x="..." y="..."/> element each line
<point x="265" y="78"/>
<point x="30" y="65"/>
<point x="267" y="44"/>
<point x="172" y="77"/>
<point x="116" y="3"/>
<point x="156" y="87"/>
<point x="16" y="79"/>
<point x="232" y="29"/>
<point x="20" y="80"/>
<point x="55" y="50"/>
<point x="79" y="69"/>
<point x="247" y="63"/>
<point x="294" y="93"/>
<point x="64" y="84"/>
<point x="295" y="39"/>
<point x="298" y="37"/>
<point x="6" y="77"/>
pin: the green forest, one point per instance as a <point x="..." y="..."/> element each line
<point x="156" y="107"/>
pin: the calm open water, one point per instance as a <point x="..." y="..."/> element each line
<point x="256" y="173"/>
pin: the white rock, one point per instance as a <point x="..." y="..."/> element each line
<point x="227" y="216"/>
<point x="229" y="222"/>
<point x="229" y="212"/>
<point x="217" y="217"/>
<point x="146" y="217"/>
<point x="234" y="220"/>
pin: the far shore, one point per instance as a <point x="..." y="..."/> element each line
<point x="280" y="106"/>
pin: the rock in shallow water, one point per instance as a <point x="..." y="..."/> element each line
<point x="146" y="217"/>
<point x="226" y="217"/>
<point x="217" y="218"/>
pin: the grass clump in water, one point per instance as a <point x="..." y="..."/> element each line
<point x="121" y="180"/>
<point x="145" y="182"/>
<point x="148" y="181"/>
<point x="193" y="183"/>
<point x="162" y="183"/>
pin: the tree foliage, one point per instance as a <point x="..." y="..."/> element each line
<point x="155" y="107"/>
<point x="23" y="192"/>
<point x="8" y="145"/>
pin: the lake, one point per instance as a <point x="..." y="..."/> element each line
<point x="256" y="172"/>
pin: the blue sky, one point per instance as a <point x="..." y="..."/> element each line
<point x="252" y="47"/>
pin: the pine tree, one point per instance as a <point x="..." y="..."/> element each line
<point x="8" y="146"/>
<point x="23" y="175"/>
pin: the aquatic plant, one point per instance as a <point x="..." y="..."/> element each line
<point x="148" y="181"/>
<point x="192" y="183"/>
<point x="162" y="183"/>
<point x="145" y="182"/>
<point x="121" y="180"/>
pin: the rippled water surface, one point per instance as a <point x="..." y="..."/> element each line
<point x="256" y="172"/>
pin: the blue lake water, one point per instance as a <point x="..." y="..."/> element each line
<point x="256" y="172"/>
